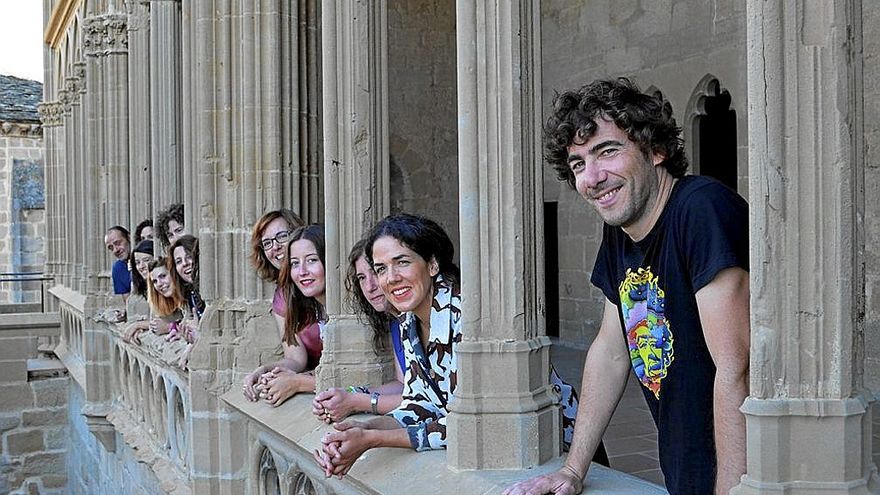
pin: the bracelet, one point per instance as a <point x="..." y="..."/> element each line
<point x="357" y="390"/>
<point x="374" y="402"/>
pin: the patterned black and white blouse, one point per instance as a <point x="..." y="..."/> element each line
<point x="431" y="371"/>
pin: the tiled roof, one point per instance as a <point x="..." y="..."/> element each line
<point x="19" y="99"/>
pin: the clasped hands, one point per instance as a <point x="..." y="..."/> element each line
<point x="274" y="386"/>
<point x="341" y="448"/>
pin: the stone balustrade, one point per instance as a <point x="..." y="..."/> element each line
<point x="71" y="348"/>
<point x="276" y="446"/>
<point x="137" y="391"/>
<point x="148" y="412"/>
<point x="150" y="406"/>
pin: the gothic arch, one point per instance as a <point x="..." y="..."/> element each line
<point x="160" y="422"/>
<point x="710" y="131"/>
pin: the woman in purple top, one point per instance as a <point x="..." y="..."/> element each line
<point x="269" y="241"/>
<point x="363" y="289"/>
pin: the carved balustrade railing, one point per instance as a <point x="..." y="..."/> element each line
<point x="150" y="404"/>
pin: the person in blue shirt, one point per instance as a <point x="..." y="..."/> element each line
<point x="118" y="242"/>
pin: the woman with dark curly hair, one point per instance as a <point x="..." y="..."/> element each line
<point x="169" y="224"/>
<point x="365" y="294"/>
<point x="412" y="257"/>
<point x="143" y="231"/>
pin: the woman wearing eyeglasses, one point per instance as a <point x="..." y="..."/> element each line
<point x="269" y="240"/>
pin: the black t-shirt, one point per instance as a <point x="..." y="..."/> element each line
<point x="702" y="230"/>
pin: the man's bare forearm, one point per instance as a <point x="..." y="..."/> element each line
<point x="730" y="429"/>
<point x="604" y="379"/>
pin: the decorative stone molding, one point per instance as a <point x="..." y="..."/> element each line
<point x="51" y="113"/>
<point x="105" y="34"/>
<point x="18" y="129"/>
<point x="74" y="85"/>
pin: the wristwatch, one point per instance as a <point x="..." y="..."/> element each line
<point x="374" y="402"/>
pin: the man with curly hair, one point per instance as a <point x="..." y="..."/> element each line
<point x="673" y="266"/>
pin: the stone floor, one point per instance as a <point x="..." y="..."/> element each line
<point x="631" y="438"/>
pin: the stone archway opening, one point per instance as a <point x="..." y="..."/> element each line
<point x="713" y="132"/>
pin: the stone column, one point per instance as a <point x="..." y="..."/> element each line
<point x="116" y="119"/>
<point x="504" y="415"/>
<point x="166" y="169"/>
<point x="76" y="174"/>
<point x="139" y="151"/>
<point x="240" y="129"/>
<point x="104" y="198"/>
<point x="807" y="415"/>
<point x="66" y="159"/>
<point x="356" y="169"/>
<point x="52" y="114"/>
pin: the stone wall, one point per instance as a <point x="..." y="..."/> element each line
<point x="422" y="110"/>
<point x="670" y="45"/>
<point x="33" y="409"/>
<point x="94" y="469"/>
<point x="22" y="215"/>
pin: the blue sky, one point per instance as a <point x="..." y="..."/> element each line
<point x="21" y="38"/>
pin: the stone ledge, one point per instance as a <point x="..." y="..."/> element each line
<point x="152" y="347"/>
<point x="30" y="324"/>
<point x="70" y="297"/>
<point x="74" y="364"/>
<point x="387" y="470"/>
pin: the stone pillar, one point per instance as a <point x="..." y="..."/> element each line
<point x="807" y="415"/>
<point x="116" y="119"/>
<point x="65" y="159"/>
<point x="52" y="114"/>
<point x="139" y="151"/>
<point x="504" y="415"/>
<point x="240" y="129"/>
<point x="92" y="209"/>
<point x="76" y="173"/>
<point x="166" y="169"/>
<point x="104" y="198"/>
<point x="356" y="169"/>
<point x="106" y="180"/>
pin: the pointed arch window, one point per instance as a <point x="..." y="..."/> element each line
<point x="713" y="132"/>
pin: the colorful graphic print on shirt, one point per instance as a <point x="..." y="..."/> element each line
<point x="648" y="334"/>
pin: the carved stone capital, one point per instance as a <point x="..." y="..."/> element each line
<point x="105" y="34"/>
<point x="69" y="96"/>
<point x="51" y="112"/>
